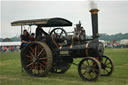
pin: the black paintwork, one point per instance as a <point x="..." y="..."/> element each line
<point x="95" y="25"/>
<point x="48" y="22"/>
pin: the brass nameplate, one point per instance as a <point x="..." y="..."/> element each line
<point x="64" y="52"/>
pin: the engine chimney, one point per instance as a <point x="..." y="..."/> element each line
<point x="94" y="16"/>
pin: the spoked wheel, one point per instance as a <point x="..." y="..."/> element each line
<point x="58" y="32"/>
<point x="89" y="69"/>
<point x="37" y="59"/>
<point x="60" y="70"/>
<point x="107" y="66"/>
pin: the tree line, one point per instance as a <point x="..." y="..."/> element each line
<point x="104" y="36"/>
<point x="116" y="37"/>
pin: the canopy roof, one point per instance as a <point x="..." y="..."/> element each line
<point x="49" y="22"/>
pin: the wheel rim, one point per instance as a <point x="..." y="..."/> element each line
<point x="35" y="60"/>
<point x="89" y="69"/>
<point x="107" y="66"/>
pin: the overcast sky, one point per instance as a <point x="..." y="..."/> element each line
<point x="113" y="15"/>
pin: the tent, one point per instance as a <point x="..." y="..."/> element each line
<point x="10" y="43"/>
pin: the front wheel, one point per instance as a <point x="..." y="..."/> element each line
<point x="107" y="66"/>
<point x="89" y="69"/>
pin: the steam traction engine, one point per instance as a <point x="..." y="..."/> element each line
<point x="55" y="52"/>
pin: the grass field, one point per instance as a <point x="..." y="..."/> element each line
<point x="10" y="72"/>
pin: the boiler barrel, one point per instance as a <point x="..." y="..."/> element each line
<point x="93" y="49"/>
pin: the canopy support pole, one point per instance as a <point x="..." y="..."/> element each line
<point x="30" y="29"/>
<point x="22" y="69"/>
<point x="21" y="29"/>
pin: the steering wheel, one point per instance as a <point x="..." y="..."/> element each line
<point x="58" y="33"/>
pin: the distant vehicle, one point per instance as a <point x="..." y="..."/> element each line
<point x="55" y="52"/>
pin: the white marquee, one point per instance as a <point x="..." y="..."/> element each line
<point x="10" y="43"/>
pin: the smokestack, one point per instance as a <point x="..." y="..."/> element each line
<point x="94" y="16"/>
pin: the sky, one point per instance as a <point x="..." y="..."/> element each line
<point x="112" y="17"/>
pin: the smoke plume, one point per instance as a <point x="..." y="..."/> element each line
<point x="93" y="4"/>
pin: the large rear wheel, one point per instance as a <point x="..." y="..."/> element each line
<point x="37" y="59"/>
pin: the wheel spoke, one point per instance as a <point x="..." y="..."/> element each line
<point x="106" y="70"/>
<point x="28" y="56"/>
<point x="87" y="62"/>
<point x="55" y="33"/>
<point x="31" y="54"/>
<point x="105" y="61"/>
<point x="43" y="66"/>
<point x="32" y="49"/>
<point x="83" y="66"/>
<point x="60" y="33"/>
<point x="35" y="50"/>
<point x="84" y="72"/>
<point x="30" y="64"/>
<point x="43" y="58"/>
<point x="90" y="75"/>
<point x="44" y="62"/>
<point x="41" y="52"/>
<point x="108" y="67"/>
<point x="30" y="60"/>
<point x="35" y="69"/>
<point x="94" y="72"/>
<point x="38" y="49"/>
<point x="108" y="63"/>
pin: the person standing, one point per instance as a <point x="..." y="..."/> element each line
<point x="40" y="31"/>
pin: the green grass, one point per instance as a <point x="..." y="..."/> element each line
<point x="10" y="72"/>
